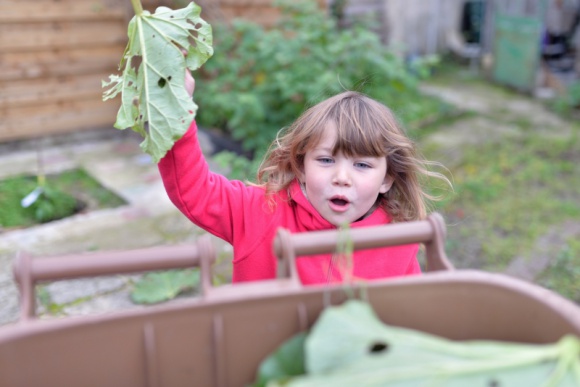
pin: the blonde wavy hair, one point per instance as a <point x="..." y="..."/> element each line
<point x="365" y="128"/>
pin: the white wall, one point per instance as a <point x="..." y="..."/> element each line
<point x="413" y="27"/>
<point x="421" y="26"/>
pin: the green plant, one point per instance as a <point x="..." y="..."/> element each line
<point x="161" y="47"/>
<point x="569" y="101"/>
<point x="52" y="204"/>
<point x="563" y="275"/>
<point x="259" y="81"/>
<point x="237" y="167"/>
<point x="162" y="286"/>
<point x="284" y="363"/>
<point x="45" y="203"/>
<point x="62" y="195"/>
<point x="349" y="345"/>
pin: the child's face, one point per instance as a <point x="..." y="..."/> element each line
<point x="342" y="189"/>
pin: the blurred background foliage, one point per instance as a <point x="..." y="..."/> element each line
<point x="259" y="80"/>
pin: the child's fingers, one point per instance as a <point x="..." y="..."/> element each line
<point x="189" y="80"/>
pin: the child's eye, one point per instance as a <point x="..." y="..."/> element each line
<point x="362" y="165"/>
<point x="324" y="160"/>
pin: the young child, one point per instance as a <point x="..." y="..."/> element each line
<point x="344" y="161"/>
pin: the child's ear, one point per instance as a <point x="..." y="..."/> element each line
<point x="300" y="175"/>
<point x="387" y="183"/>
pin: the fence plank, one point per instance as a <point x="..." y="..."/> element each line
<point x="57" y="117"/>
<point x="46" y="63"/>
<point x="17" y="11"/>
<point x="60" y="35"/>
<point x="41" y="91"/>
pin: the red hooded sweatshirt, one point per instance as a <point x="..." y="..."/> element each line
<point x="241" y="215"/>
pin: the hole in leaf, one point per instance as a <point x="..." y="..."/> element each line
<point x="194" y="27"/>
<point x="192" y="39"/>
<point x="378" y="347"/>
<point x="169" y="78"/>
<point x="493" y="383"/>
<point x="161" y="82"/>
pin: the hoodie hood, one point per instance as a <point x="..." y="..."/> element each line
<point x="310" y="220"/>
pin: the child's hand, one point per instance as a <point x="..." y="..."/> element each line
<point x="189" y="81"/>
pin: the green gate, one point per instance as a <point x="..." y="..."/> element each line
<point x="517" y="42"/>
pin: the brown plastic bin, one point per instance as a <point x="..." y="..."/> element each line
<point x="219" y="338"/>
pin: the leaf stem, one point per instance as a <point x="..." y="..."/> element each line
<point x="40" y="176"/>
<point x="137" y="7"/>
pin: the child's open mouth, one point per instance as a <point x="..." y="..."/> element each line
<point x="339" y="204"/>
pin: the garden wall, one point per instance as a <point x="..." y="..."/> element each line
<point x="54" y="54"/>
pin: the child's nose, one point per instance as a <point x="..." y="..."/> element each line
<point x="341" y="176"/>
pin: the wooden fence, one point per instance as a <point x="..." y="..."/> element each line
<point x="54" y="54"/>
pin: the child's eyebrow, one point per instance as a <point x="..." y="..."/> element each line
<point x="323" y="148"/>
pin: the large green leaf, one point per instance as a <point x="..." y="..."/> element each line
<point x="285" y="362"/>
<point x="162" y="286"/>
<point x="350" y="346"/>
<point x="155" y="91"/>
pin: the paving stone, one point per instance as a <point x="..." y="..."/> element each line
<point x="8" y="292"/>
<point x="66" y="292"/>
<point x="119" y="300"/>
<point x="9" y="303"/>
<point x="148" y="219"/>
<point x="530" y="267"/>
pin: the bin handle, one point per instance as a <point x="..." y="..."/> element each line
<point x="28" y="271"/>
<point x="431" y="232"/>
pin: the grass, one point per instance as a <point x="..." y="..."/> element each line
<point x="425" y="111"/>
<point x="510" y="191"/>
<point x="68" y="192"/>
<point x="516" y="191"/>
<point x="562" y="276"/>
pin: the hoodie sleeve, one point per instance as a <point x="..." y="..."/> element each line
<point x="208" y="199"/>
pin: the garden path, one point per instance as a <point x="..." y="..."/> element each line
<point x="148" y="219"/>
<point x="500" y="114"/>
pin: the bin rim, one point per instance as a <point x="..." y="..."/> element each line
<point x="230" y="294"/>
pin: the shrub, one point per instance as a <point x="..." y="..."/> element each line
<point x="259" y="81"/>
